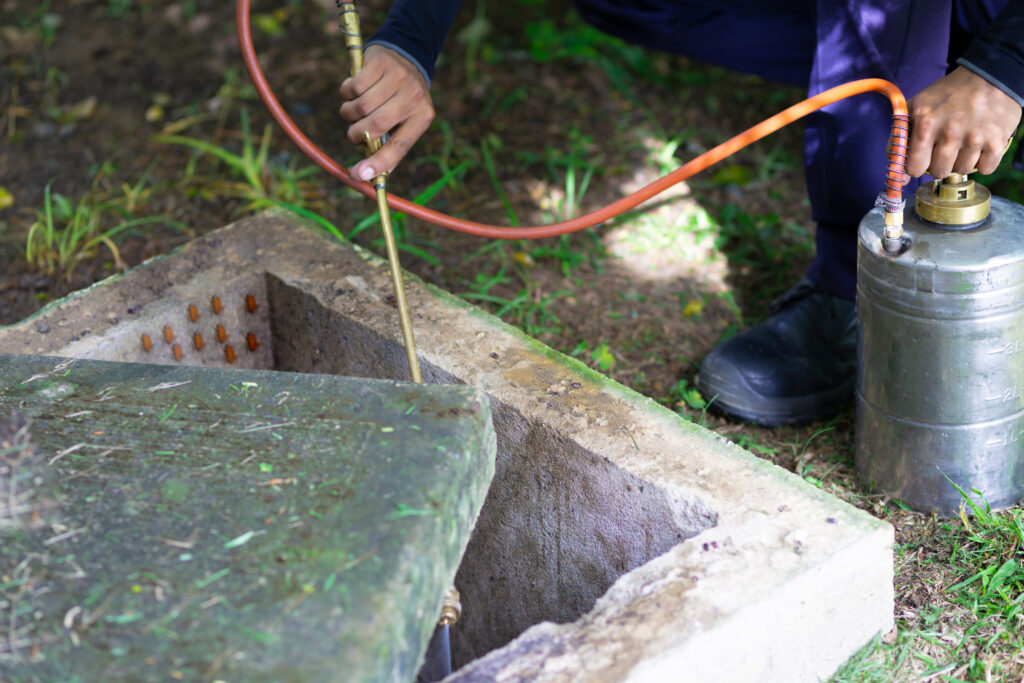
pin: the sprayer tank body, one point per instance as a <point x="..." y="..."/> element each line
<point x="940" y="379"/>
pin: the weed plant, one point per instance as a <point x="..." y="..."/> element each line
<point x="528" y="309"/>
<point x="263" y="183"/>
<point x="250" y="166"/>
<point x="65" y="233"/>
<point x="260" y="183"/>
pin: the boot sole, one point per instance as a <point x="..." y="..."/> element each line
<point x="728" y="393"/>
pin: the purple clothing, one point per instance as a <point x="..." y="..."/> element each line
<point x="821" y="44"/>
<point x="814" y="43"/>
<point x="416" y="29"/>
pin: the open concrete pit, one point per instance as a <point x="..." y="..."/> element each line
<point x="617" y="541"/>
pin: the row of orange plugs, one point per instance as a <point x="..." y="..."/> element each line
<point x="197" y="339"/>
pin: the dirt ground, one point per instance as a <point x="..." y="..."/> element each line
<point x="656" y="296"/>
<point x="538" y="118"/>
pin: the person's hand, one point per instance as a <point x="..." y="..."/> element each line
<point x="388" y="95"/>
<point x="959" y="123"/>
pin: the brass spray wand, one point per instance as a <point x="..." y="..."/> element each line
<point x="354" y="41"/>
<point x="451" y="608"/>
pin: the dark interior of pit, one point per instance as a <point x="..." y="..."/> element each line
<point x="560" y="524"/>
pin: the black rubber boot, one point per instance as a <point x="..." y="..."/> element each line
<point x="797" y="366"/>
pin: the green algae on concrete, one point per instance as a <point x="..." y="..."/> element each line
<point x="238" y="525"/>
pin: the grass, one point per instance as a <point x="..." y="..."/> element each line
<point x="488" y="159"/>
<point x="65" y="233"/>
<point x="250" y="165"/>
<point x="969" y="573"/>
<point x="682" y="394"/>
<point x="260" y="182"/>
<point x="751" y="240"/>
<point x="571" y="251"/>
<point x="263" y="183"/>
<point x="40" y="21"/>
<point x="528" y="309"/>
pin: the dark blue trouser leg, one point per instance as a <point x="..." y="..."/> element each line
<point x="904" y="41"/>
<point x="845" y="144"/>
<point x="818" y="44"/>
<point x="777" y="45"/>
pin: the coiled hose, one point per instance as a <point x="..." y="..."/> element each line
<point x="891" y="199"/>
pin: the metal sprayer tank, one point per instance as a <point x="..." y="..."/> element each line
<point x="940" y="379"/>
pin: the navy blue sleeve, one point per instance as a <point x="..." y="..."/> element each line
<point x="416" y="29"/>
<point x="997" y="55"/>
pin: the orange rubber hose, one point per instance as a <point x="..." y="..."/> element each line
<point x="894" y="172"/>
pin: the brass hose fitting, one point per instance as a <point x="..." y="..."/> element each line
<point x="451" y="608"/>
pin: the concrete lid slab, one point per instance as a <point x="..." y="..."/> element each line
<point x="247" y="525"/>
<point x="621" y="507"/>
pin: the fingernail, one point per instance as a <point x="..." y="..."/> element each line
<point x="367" y="173"/>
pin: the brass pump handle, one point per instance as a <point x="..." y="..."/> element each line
<point x="956" y="202"/>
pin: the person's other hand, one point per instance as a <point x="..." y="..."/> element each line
<point x="959" y="123"/>
<point x="390" y="96"/>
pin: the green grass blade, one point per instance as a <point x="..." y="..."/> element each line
<point x="305" y="213"/>
<point x="493" y="174"/>
<point x="233" y="160"/>
<point x="423" y="197"/>
<point x="422" y="253"/>
<point x="1002" y="574"/>
<point x="364" y="223"/>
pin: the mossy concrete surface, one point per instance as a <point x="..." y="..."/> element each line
<point x="618" y="541"/>
<point x="177" y="523"/>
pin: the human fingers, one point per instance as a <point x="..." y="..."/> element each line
<point x="398" y="145"/>
<point x="365" y="92"/>
<point x="355" y="86"/>
<point x="392" y="98"/>
<point x="958" y="123"/>
<point x="967" y="154"/>
<point x="404" y="100"/>
<point x="923" y="130"/>
<point x="991" y="154"/>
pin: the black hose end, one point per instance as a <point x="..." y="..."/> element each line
<point x="438" y="661"/>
